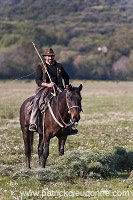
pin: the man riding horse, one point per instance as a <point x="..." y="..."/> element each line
<point x="56" y="73"/>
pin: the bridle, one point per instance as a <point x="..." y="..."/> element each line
<point x="70" y="107"/>
<point x="63" y="124"/>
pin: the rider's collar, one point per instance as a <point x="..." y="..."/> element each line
<point x="50" y="63"/>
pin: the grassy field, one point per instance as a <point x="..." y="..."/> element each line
<point x="97" y="162"/>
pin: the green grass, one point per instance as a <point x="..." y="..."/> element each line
<point x="95" y="164"/>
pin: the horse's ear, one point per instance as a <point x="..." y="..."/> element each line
<point x="70" y="87"/>
<point x="80" y="87"/>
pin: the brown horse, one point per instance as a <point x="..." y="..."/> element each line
<point x="62" y="112"/>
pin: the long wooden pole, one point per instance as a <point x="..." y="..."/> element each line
<point x="44" y="66"/>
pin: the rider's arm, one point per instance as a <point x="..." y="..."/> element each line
<point x="65" y="76"/>
<point x="47" y="84"/>
<point x="39" y="78"/>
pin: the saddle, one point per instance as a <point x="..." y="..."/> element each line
<point x="30" y="105"/>
<point x="46" y="97"/>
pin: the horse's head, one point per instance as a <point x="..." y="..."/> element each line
<point x="73" y="99"/>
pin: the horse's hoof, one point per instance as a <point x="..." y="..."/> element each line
<point x="28" y="167"/>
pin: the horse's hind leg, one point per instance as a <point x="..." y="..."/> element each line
<point x="28" y="143"/>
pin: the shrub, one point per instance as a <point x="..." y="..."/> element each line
<point x="71" y="166"/>
<point x="6" y="170"/>
<point x="78" y="164"/>
<point x="38" y="174"/>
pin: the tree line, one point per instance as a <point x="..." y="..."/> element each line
<point x="92" y="39"/>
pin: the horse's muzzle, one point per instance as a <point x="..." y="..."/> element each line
<point x="75" y="118"/>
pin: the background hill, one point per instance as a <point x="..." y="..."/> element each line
<point x="75" y="29"/>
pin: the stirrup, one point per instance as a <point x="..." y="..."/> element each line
<point x="32" y="127"/>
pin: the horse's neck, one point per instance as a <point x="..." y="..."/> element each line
<point x="61" y="102"/>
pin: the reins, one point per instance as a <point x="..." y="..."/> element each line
<point x="51" y="111"/>
<point x="63" y="124"/>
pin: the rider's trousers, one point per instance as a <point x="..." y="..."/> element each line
<point x="35" y="109"/>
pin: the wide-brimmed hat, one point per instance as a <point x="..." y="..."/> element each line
<point x="48" y="52"/>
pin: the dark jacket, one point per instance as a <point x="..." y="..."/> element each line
<point x="56" y="72"/>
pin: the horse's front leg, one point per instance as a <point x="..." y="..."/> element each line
<point x="61" y="143"/>
<point x="40" y="147"/>
<point x="43" y="151"/>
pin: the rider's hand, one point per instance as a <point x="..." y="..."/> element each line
<point x="51" y="84"/>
